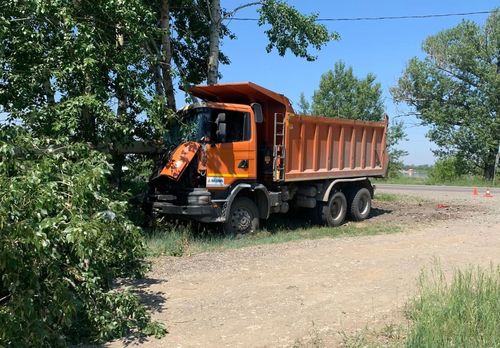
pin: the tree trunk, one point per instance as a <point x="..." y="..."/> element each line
<point x="489" y="166"/>
<point x="49" y="92"/>
<point x="155" y="71"/>
<point x="495" y="152"/>
<point x="213" y="57"/>
<point x="119" y="89"/>
<point x="166" y="52"/>
<point x="88" y="121"/>
<point x="121" y="111"/>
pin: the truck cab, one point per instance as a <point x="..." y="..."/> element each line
<point x="218" y="154"/>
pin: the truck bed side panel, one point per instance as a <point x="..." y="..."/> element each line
<point x="325" y="148"/>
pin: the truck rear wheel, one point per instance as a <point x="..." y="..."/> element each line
<point x="360" y="204"/>
<point x="243" y="217"/>
<point x="333" y="213"/>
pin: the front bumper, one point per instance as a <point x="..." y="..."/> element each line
<point x="202" y="213"/>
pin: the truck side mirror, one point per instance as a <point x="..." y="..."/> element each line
<point x="257" y="110"/>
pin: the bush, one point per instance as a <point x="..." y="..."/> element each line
<point x="465" y="313"/>
<point x="444" y="170"/>
<point x="63" y="243"/>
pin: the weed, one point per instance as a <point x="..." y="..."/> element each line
<point x="391" y="335"/>
<point x="387" y="197"/>
<point x="312" y="340"/>
<point x="177" y="239"/>
<point x="170" y="239"/>
<point x="462" y="313"/>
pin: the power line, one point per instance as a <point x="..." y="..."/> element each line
<point x="461" y="14"/>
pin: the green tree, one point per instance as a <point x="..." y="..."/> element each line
<point x="343" y="95"/>
<point x="395" y="134"/>
<point x="288" y="29"/>
<point x="64" y="242"/>
<point x="445" y="170"/>
<point x="304" y="105"/>
<point x="455" y="90"/>
<point x="73" y="68"/>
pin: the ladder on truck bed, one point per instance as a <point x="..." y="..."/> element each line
<point x="279" y="147"/>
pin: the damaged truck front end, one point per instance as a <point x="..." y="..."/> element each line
<point x="216" y="156"/>
<point x="178" y="188"/>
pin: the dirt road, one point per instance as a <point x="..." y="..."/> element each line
<point x="278" y="295"/>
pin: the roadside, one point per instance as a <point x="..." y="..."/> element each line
<point x="458" y="182"/>
<point x="464" y="190"/>
<point x="316" y="290"/>
<point x="390" y="214"/>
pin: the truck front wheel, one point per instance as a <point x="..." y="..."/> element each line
<point x="334" y="211"/>
<point x="243" y="217"/>
<point x="360" y="204"/>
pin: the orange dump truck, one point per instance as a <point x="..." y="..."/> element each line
<point x="244" y="155"/>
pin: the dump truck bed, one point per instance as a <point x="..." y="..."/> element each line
<point x="328" y="148"/>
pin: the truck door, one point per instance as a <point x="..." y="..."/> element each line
<point x="233" y="156"/>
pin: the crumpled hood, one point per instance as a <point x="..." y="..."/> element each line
<point x="180" y="159"/>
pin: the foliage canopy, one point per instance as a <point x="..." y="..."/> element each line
<point x="64" y="241"/>
<point x="341" y="94"/>
<point x="455" y="90"/>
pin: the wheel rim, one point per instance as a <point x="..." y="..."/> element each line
<point x="241" y="220"/>
<point x="363" y="204"/>
<point x="336" y="208"/>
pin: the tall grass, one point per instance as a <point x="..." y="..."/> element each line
<point x="178" y="240"/>
<point x="462" y="313"/>
<point x="387" y="197"/>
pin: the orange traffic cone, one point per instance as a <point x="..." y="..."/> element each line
<point x="475" y="192"/>
<point x="488" y="194"/>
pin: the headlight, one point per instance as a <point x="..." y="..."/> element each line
<point x="197" y="200"/>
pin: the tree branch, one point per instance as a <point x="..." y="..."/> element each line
<point x="461" y="78"/>
<point x="209" y="10"/>
<point x="241" y="7"/>
<point x="4" y="298"/>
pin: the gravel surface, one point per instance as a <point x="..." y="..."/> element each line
<point x="315" y="290"/>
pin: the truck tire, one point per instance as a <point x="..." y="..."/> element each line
<point x="333" y="213"/>
<point x="243" y="217"/>
<point x="360" y="204"/>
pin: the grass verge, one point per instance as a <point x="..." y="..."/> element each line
<point x="183" y="239"/>
<point x="387" y="197"/>
<point x="465" y="181"/>
<point x="463" y="311"/>
<point x="180" y="240"/>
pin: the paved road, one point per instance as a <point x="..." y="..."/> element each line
<point x="434" y="188"/>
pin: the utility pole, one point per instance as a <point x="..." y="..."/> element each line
<point x="497" y="161"/>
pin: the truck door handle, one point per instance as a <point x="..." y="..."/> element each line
<point x="243" y="164"/>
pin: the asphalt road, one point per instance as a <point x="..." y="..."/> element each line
<point x="434" y="188"/>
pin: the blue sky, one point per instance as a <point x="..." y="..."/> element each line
<point x="380" y="47"/>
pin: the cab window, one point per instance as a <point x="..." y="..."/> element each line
<point x="231" y="126"/>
